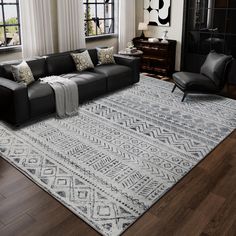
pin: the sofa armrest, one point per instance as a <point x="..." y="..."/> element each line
<point x="132" y="62"/>
<point x="14" y="102"/>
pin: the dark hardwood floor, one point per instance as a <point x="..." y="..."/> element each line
<point x="203" y="203"/>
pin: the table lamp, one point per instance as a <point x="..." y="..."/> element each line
<point x="142" y="26"/>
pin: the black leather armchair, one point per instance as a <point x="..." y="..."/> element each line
<point x="211" y="79"/>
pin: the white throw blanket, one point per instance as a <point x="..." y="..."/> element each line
<point x="66" y="95"/>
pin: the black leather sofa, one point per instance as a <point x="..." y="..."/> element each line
<point x="19" y="103"/>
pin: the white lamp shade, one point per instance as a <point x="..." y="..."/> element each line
<point x="142" y="26"/>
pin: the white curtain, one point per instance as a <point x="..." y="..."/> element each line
<point x="36" y="26"/>
<point x="71" y="33"/>
<point x="126" y="22"/>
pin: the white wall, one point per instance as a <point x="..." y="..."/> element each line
<point x="175" y="29"/>
<point x="139" y="15"/>
<point x="109" y="42"/>
<point x="9" y="56"/>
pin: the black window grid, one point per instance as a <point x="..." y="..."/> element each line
<point x="96" y="3"/>
<point x="4" y="25"/>
<point x="215" y="30"/>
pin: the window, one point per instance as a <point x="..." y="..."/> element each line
<point x="9" y="23"/>
<point x="99" y="17"/>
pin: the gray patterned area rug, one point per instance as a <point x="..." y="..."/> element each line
<point x="124" y="151"/>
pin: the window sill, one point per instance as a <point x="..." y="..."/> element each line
<point x="100" y="37"/>
<point x="11" y="49"/>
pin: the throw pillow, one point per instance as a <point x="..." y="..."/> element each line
<point x="82" y="61"/>
<point x="22" y="73"/>
<point x="105" y="56"/>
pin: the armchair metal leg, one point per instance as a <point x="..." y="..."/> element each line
<point x="185" y="94"/>
<point x="174" y="88"/>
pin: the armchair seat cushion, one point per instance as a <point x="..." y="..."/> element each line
<point x="191" y="82"/>
<point x="118" y="76"/>
<point x="41" y="99"/>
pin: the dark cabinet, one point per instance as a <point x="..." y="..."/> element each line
<point x="157" y="57"/>
<point x="209" y="25"/>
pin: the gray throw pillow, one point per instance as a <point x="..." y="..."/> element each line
<point x="82" y="61"/>
<point x="22" y="73"/>
<point x="105" y="56"/>
<point x="214" y="66"/>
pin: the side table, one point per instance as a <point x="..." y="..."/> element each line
<point x="138" y="53"/>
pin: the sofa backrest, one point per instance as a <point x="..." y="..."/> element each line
<point x="93" y="55"/>
<point x="53" y="64"/>
<point x="5" y="69"/>
<point x="37" y="66"/>
<point x="62" y="63"/>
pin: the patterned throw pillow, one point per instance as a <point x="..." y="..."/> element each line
<point x="82" y="61"/>
<point x="22" y="73"/>
<point x="105" y="56"/>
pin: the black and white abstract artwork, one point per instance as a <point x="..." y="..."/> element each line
<point x="157" y="12"/>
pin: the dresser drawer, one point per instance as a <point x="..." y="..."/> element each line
<point x="157" y="57"/>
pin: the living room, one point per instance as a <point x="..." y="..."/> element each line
<point x="117" y="117"/>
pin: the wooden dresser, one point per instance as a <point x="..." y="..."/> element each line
<point x="158" y="58"/>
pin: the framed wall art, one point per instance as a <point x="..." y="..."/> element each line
<point x="157" y="12"/>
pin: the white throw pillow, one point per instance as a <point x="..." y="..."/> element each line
<point x="22" y="73"/>
<point x="105" y="56"/>
<point x="82" y="61"/>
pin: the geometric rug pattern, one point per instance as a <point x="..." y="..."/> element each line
<point x="122" y="152"/>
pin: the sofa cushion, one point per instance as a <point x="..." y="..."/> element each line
<point x="37" y="66"/>
<point x="188" y="81"/>
<point x="90" y="84"/>
<point x="60" y="63"/>
<point x="41" y="99"/>
<point x="118" y="76"/>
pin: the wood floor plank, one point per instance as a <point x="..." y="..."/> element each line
<point x="71" y="226"/>
<point x="146" y="225"/>
<point x="225" y="219"/>
<point x="201" y="216"/>
<point x="231" y="230"/>
<point x="226" y="184"/>
<point x="42" y="225"/>
<point x="14" y="206"/>
<point x="1" y="225"/>
<point x="187" y="191"/>
<point x="174" y="222"/>
<point x="7" y="170"/>
<point x="17" y="225"/>
<point x="15" y="187"/>
<point x="2" y="198"/>
<point x="43" y="207"/>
